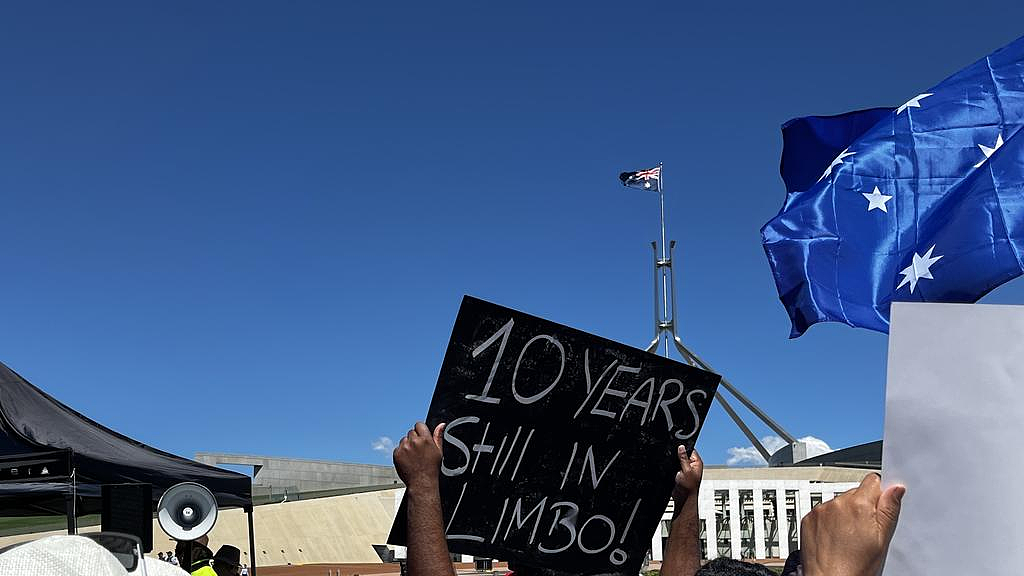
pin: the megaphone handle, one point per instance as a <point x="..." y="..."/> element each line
<point x="188" y="556"/>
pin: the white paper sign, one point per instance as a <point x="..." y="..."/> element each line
<point x="954" y="427"/>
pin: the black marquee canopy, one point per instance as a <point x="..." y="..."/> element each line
<point x="54" y="460"/>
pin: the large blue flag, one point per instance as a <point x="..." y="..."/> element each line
<point x="924" y="202"/>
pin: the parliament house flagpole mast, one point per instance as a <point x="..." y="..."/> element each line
<point x="665" y="263"/>
<point x="665" y="317"/>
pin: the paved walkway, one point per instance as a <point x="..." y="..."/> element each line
<point x="358" y="570"/>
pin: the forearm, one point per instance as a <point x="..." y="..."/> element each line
<point x="427" y="549"/>
<point x="682" y="552"/>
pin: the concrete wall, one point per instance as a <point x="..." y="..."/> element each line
<point x="334" y="529"/>
<point x="294" y="474"/>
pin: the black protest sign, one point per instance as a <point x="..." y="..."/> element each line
<point x="560" y="446"/>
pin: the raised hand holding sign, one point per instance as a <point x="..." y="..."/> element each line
<point x="560" y="446"/>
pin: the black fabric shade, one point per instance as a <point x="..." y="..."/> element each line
<point x="35" y="426"/>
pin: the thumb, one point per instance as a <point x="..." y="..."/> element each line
<point x="684" y="460"/>
<point x="695" y="458"/>
<point x="888" y="511"/>
<point x="438" y="433"/>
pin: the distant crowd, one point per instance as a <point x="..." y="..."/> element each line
<point x="169" y="557"/>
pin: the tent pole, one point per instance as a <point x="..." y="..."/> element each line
<point x="70" y="499"/>
<point x="69" y="507"/>
<point x="252" y="544"/>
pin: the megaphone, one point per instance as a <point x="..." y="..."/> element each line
<point x="187" y="511"/>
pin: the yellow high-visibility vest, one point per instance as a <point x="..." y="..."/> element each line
<point x="204" y="571"/>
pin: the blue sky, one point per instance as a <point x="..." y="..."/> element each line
<point x="272" y="210"/>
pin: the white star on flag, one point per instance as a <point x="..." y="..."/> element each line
<point x="918" y="269"/>
<point x="989" y="151"/>
<point x="914" y="102"/>
<point x="877" y="200"/>
<point x="836" y="162"/>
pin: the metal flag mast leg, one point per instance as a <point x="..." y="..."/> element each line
<point x="665" y="325"/>
<point x="664" y="256"/>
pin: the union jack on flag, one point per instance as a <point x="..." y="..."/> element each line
<point x="649" y="179"/>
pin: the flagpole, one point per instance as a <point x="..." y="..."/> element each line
<point x="661" y="194"/>
<point x="665" y="326"/>
<point x="664" y="254"/>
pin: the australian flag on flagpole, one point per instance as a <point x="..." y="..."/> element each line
<point x="649" y="179"/>
<point x="924" y="202"/>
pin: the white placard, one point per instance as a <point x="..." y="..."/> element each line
<point x="954" y="426"/>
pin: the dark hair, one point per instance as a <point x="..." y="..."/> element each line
<point x="730" y="567"/>
<point x="792" y="564"/>
<point x="200" y="553"/>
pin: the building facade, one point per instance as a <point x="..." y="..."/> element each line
<point x="752" y="519"/>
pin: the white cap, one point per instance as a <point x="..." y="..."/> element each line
<point x="60" y="556"/>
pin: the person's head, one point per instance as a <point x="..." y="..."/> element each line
<point x="792" y="567"/>
<point x="730" y="567"/>
<point x="200" y="555"/>
<point x="227" y="561"/>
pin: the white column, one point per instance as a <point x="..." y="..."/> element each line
<point x="783" y="520"/>
<point x="707" y="503"/>
<point x="803" y="507"/>
<point x="656" y="551"/>
<point x="734" y="520"/>
<point x="759" y="524"/>
<point x="827" y="495"/>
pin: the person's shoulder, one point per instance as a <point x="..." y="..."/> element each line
<point x="158" y="568"/>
